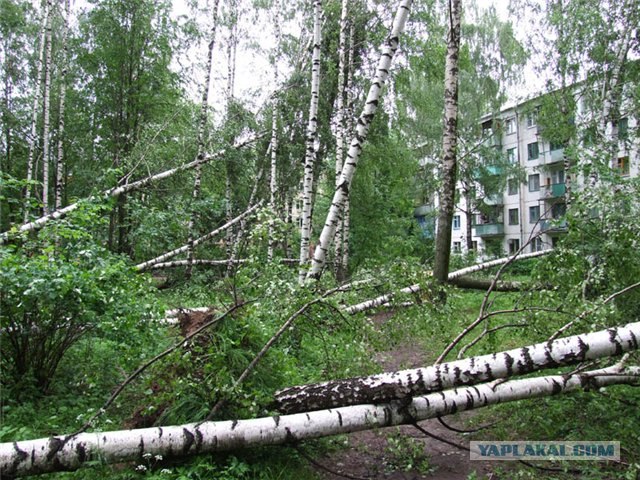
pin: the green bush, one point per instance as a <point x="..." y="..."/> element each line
<point x="57" y="289"/>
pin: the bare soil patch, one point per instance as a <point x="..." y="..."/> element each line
<point x="398" y="453"/>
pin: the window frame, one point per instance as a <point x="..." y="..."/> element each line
<point x="530" y="178"/>
<point x="513" y="220"/>
<point x="534" y="208"/>
<point x="530" y="148"/>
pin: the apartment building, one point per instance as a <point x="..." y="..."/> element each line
<point x="535" y="203"/>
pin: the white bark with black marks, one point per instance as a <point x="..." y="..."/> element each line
<point x="340" y="128"/>
<point x="312" y="136"/>
<point x="355" y="149"/>
<point x="407" y="383"/>
<point x="46" y="113"/>
<point x="34" y="113"/>
<point x="59" y="178"/>
<point x="60" y="453"/>
<point x="449" y="165"/>
<point x="273" y="175"/>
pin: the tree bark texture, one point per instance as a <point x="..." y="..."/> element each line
<point x="46" y="113"/>
<point x="387" y="386"/>
<point x="59" y="177"/>
<point x="34" y="114"/>
<point x="449" y="146"/>
<point x="61" y="453"/>
<point x="340" y="131"/>
<point x="117" y="191"/>
<point x="312" y="136"/>
<point x="362" y="128"/>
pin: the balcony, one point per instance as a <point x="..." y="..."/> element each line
<point x="489" y="229"/>
<point x="556" y="156"/>
<point x="555" y="190"/>
<point x="553" y="225"/>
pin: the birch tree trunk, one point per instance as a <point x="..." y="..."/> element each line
<point x="34" y="114"/>
<point x="46" y="113"/>
<point x="204" y="108"/>
<point x="449" y="146"/>
<point x="117" y="191"/>
<point x="61" y="453"/>
<point x="59" y="177"/>
<point x="364" y="122"/>
<point x="312" y="134"/>
<point x="273" y="175"/>
<point x="397" y="385"/>
<point x="340" y="133"/>
<point x="350" y="128"/>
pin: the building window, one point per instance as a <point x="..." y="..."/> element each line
<point x="514" y="245"/>
<point x="534" y="182"/>
<point x="457" y="247"/>
<point x="456" y="222"/>
<point x="510" y="125"/>
<point x="623" y="128"/>
<point x="621" y="165"/>
<point x="532" y="150"/>
<point x="534" y="214"/>
<point x="511" y="155"/>
<point x="474" y="245"/>
<point x="536" y="244"/>
<point x="532" y="119"/>
<point x="513" y="216"/>
<point x="512" y="186"/>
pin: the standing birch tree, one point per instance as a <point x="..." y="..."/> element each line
<point x="39" y="83"/>
<point x="448" y="168"/>
<point x="311" y="140"/>
<point x="59" y="176"/>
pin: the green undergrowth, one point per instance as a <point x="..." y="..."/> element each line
<point x="322" y="343"/>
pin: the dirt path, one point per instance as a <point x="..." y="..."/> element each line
<point x="403" y="453"/>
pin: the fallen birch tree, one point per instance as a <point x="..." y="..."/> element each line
<point x="452" y="277"/>
<point x="214" y="263"/>
<point x="60" y="453"/>
<point x="383" y="300"/>
<point x="161" y="258"/>
<point x="384" y="387"/>
<point x="117" y="191"/>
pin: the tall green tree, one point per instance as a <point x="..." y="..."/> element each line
<point x="125" y="52"/>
